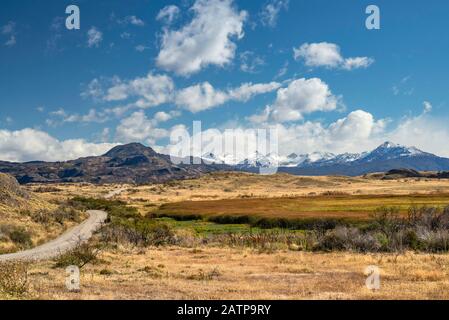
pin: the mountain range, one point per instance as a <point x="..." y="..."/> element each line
<point x="386" y="157"/>
<point x="136" y="163"/>
<point x="130" y="163"/>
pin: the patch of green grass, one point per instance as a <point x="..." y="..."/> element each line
<point x="205" y="228"/>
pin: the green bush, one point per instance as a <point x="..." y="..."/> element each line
<point x="79" y="256"/>
<point x="59" y="215"/>
<point x="126" y="224"/>
<point x="142" y="232"/>
<point x="21" y="237"/>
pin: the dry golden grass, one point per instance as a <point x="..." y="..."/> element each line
<point x="231" y="185"/>
<point x="15" y="212"/>
<point x="234" y="273"/>
<point x="220" y="186"/>
<point x="340" y="206"/>
<point x="223" y="273"/>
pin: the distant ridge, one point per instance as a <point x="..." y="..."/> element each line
<point x="130" y="163"/>
<point x="387" y="156"/>
<point x="135" y="163"/>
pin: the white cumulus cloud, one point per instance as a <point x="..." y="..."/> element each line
<point x="206" y="40"/>
<point x="328" y="55"/>
<point x="31" y="144"/>
<point x="138" y="127"/>
<point x="204" y="96"/>
<point x="153" y="90"/>
<point x="424" y="131"/>
<point x="303" y="96"/>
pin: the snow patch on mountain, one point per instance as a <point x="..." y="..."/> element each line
<point x="385" y="151"/>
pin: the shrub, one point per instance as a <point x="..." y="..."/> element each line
<point x="40" y="216"/>
<point x="158" y="234"/>
<point x="264" y="241"/>
<point x="437" y="241"/>
<point x="21" y="237"/>
<point x="45" y="189"/>
<point x="116" y="209"/>
<point x="106" y="272"/>
<point x="386" y="219"/>
<point x="429" y="217"/>
<point x="144" y="232"/>
<point x="65" y="213"/>
<point x="334" y="193"/>
<point x="14" y="278"/>
<point x="205" y="276"/>
<point x="59" y="215"/>
<point x="79" y="256"/>
<point x="153" y="272"/>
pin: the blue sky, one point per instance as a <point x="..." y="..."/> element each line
<point x="137" y="69"/>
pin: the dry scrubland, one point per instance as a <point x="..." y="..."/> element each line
<point x="198" y="269"/>
<point x="223" y="273"/>
<point x="228" y="185"/>
<point x="27" y="220"/>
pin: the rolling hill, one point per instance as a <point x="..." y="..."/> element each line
<point x="131" y="163"/>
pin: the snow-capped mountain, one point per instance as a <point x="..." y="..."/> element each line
<point x="389" y="150"/>
<point x="259" y="160"/>
<point x="385" y="157"/>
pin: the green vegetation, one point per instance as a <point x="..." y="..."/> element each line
<point x="126" y="224"/>
<point x="385" y="229"/>
<point x="79" y="256"/>
<point x="18" y="235"/>
<point x="59" y="215"/>
<point x="206" y="228"/>
<point x="117" y="210"/>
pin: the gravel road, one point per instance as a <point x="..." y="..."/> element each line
<point x="68" y="240"/>
<point x="65" y="242"/>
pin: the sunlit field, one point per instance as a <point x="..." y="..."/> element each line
<point x="236" y="235"/>
<point x="349" y="207"/>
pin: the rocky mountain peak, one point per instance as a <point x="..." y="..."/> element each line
<point x="130" y="150"/>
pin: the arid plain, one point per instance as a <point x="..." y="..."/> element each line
<point x="208" y="260"/>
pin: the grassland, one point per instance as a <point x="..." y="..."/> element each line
<point x="230" y="185"/>
<point x="350" y="207"/>
<point x="200" y="264"/>
<point x="27" y="220"/>
<point x="229" y="273"/>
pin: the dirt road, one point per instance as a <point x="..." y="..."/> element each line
<point x="65" y="242"/>
<point x="68" y="240"/>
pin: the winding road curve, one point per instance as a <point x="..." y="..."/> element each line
<point x="67" y="241"/>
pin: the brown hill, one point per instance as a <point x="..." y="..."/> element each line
<point x="10" y="191"/>
<point x="131" y="163"/>
<point x="27" y="220"/>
